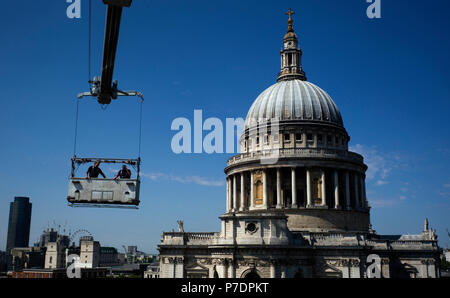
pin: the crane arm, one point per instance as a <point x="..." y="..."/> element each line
<point x="112" y="28"/>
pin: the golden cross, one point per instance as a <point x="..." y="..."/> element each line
<point x="290" y="13"/>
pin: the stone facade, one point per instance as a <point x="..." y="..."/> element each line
<point x="296" y="199"/>
<point x="89" y="252"/>
<point x="263" y="245"/>
<point x="55" y="255"/>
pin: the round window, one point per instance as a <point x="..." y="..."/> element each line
<point x="251" y="227"/>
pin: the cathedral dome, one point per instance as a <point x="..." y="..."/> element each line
<point x="294" y="100"/>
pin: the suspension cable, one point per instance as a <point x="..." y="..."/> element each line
<point x="140" y="128"/>
<point x="76" y="129"/>
<point x="90" y="42"/>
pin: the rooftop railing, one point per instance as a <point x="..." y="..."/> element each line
<point x="296" y="153"/>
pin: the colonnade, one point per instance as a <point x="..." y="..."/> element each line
<point x="242" y="195"/>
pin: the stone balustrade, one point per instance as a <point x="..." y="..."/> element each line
<point x="296" y="153"/>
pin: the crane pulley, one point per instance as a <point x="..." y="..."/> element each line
<point x="104" y="88"/>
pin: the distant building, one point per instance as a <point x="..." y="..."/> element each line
<point x="109" y="256"/>
<point x="132" y="250"/>
<point x="26" y="258"/>
<point x="152" y="271"/>
<point x="89" y="252"/>
<point x="55" y="256"/>
<point x="19" y="223"/>
<point x="47" y="236"/>
<point x="130" y="270"/>
<point x="59" y="273"/>
<point x="122" y="258"/>
<point x="3" y="261"/>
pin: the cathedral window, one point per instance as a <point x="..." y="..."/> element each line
<point x="287" y="137"/>
<point x="309" y="137"/>
<point x="298" y="137"/>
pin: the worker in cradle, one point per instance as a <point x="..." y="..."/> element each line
<point x="124" y="173"/>
<point x="94" y="171"/>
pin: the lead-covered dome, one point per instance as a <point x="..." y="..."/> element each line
<point x="294" y="100"/>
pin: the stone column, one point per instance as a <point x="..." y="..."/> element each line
<point x="294" y="189"/>
<point x="308" y="189"/>
<point x="242" y="202"/>
<point x="232" y="269"/>
<point x="174" y="271"/>
<point x="336" y="190"/>
<point x="272" y="269"/>
<point x="223" y="270"/>
<point x="361" y="183"/>
<point x="283" y="271"/>
<point x="278" y="188"/>
<point x="364" y="192"/>
<point x="235" y="206"/>
<point x="252" y="191"/>
<point x="264" y="189"/>
<point x="228" y="194"/>
<point x="347" y="190"/>
<point x="324" y="196"/>
<point x="355" y="184"/>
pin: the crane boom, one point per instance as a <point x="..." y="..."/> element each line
<point x="106" y="89"/>
<point x="112" y="28"/>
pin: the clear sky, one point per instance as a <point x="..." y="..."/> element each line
<point x="389" y="77"/>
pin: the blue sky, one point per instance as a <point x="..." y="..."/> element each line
<point x="389" y="78"/>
